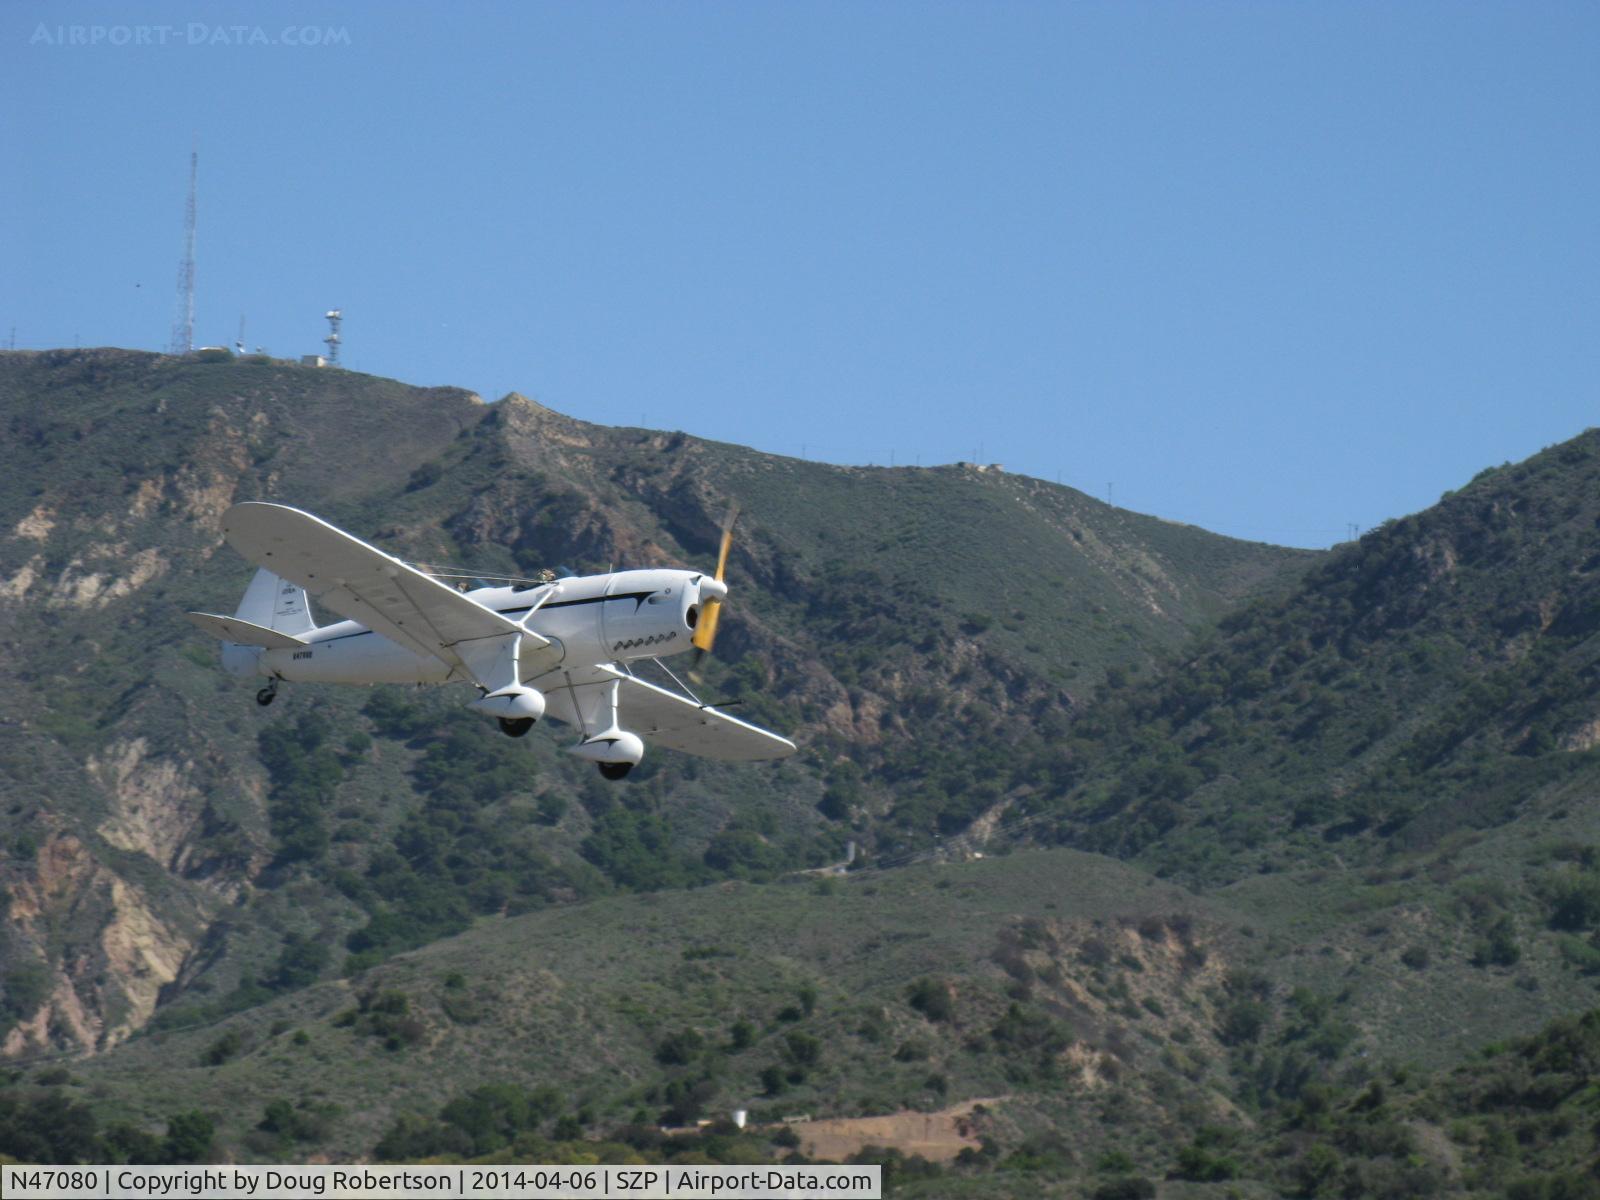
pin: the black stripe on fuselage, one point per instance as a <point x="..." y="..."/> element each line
<point x="638" y="598"/>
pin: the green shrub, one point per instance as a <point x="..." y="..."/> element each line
<point x="47" y="1128"/>
<point x="1203" y="1165"/>
<point x="802" y="1049"/>
<point x="27" y="985"/>
<point x="291" y="1124"/>
<point x="492" y="1115"/>
<point x="1573" y="899"/>
<point x="224" y="1048"/>
<point x="1242" y="1022"/>
<point x="932" y="1000"/>
<point x="679" y="1048"/>
<point x="1498" y="947"/>
<point x="189" y="1137"/>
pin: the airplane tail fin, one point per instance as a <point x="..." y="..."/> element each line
<point x="276" y="604"/>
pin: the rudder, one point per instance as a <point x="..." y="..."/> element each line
<point x="277" y="604"/>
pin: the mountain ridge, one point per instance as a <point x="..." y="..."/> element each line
<point x="1448" y="652"/>
<point x="1205" y="841"/>
<point x="135" y="775"/>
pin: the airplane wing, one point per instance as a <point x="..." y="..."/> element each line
<point x="662" y="717"/>
<point x="363" y="583"/>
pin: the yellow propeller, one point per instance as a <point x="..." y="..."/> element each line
<point x="705" y="629"/>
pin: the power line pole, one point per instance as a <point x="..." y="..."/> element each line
<point x="183" y="322"/>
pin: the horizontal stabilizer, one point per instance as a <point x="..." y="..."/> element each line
<point x="245" y="633"/>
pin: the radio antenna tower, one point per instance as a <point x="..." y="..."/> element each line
<point x="334" y="316"/>
<point x="183" y="322"/>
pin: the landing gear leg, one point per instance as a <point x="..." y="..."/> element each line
<point x="516" y="726"/>
<point x="267" y="694"/>
<point x="605" y="743"/>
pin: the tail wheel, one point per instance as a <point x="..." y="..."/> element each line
<point x="266" y="696"/>
<point x="615" y="770"/>
<point x="516" y="726"/>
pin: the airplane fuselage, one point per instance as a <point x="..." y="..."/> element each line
<point x="588" y="619"/>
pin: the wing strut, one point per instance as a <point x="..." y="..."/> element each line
<point x="687" y="690"/>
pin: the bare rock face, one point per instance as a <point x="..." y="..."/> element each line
<point x="154" y="803"/>
<point x="143" y="954"/>
<point x="104" y="988"/>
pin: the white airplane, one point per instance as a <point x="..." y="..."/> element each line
<point x="560" y="646"/>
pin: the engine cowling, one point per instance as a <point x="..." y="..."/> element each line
<point x="648" y="613"/>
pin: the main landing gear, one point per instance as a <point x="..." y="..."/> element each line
<point x="606" y="744"/>
<point x="516" y="726"/>
<point x="267" y="694"/>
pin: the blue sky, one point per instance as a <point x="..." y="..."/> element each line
<point x="1274" y="269"/>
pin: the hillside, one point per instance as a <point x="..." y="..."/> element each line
<point x="1433" y="682"/>
<point x="1102" y="1018"/>
<point x="176" y="850"/>
<point x="1097" y="1024"/>
<point x="1278" y="850"/>
<point x="631" y="1004"/>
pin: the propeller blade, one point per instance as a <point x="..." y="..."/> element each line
<point x="705" y="630"/>
<point x="727" y="542"/>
